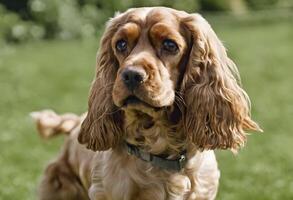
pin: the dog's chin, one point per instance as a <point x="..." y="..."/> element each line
<point x="133" y="103"/>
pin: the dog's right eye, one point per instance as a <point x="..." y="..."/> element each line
<point x="121" y="45"/>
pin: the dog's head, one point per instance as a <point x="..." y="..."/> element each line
<point x="154" y="60"/>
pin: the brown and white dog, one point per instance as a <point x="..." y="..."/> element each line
<point x="165" y="95"/>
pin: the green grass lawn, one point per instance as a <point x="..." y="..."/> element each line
<point x="57" y="75"/>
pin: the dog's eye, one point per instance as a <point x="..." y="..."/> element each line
<point x="121" y="45"/>
<point x="170" y="46"/>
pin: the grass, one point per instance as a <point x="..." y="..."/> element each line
<point x="57" y="75"/>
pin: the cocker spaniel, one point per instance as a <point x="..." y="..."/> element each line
<point x="165" y="95"/>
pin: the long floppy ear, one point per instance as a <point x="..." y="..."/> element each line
<point x="102" y="127"/>
<point x="217" y="110"/>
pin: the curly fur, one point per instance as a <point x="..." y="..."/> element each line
<point x="190" y="100"/>
<point x="218" y="108"/>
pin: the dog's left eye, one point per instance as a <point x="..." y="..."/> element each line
<point x="170" y="46"/>
<point x="121" y="45"/>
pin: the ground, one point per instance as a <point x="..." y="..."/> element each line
<point x="57" y="75"/>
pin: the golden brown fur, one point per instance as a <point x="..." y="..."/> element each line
<point x="189" y="97"/>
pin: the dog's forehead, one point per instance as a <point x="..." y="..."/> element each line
<point x="160" y="15"/>
<point x="151" y="15"/>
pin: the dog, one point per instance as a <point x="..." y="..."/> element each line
<point x="164" y="96"/>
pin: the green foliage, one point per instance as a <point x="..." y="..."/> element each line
<point x="187" y="5"/>
<point x="216" y="5"/>
<point x="45" y="13"/>
<point x="259" y="4"/>
<point x="17" y="6"/>
<point x="65" y="19"/>
<point x="14" y="29"/>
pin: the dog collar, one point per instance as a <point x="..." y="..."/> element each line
<point x="157" y="160"/>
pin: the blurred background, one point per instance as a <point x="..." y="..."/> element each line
<point x="47" y="60"/>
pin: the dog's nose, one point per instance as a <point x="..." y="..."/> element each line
<point x="132" y="77"/>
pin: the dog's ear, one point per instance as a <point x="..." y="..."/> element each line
<point x="217" y="110"/>
<point x="102" y="127"/>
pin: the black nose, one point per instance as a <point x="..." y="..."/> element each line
<point x="132" y="78"/>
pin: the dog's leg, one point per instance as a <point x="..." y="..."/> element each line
<point x="178" y="187"/>
<point x="59" y="182"/>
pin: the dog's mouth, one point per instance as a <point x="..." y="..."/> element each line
<point x="133" y="102"/>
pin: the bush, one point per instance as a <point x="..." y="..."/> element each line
<point x="215" y="5"/>
<point x="14" y="29"/>
<point x="235" y="6"/>
<point x="17" y="6"/>
<point x="45" y="13"/>
<point x="67" y="19"/>
<point x="259" y="4"/>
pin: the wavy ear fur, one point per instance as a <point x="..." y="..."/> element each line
<point x="217" y="109"/>
<point x="102" y="127"/>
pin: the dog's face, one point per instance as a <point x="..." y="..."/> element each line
<point x="149" y="48"/>
<point x="154" y="60"/>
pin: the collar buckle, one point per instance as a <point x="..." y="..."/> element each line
<point x="182" y="161"/>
